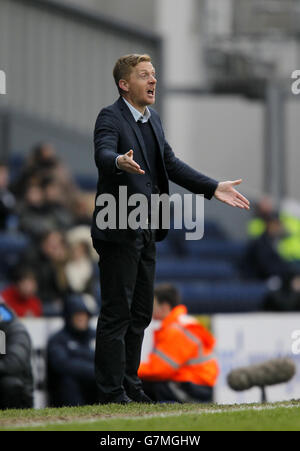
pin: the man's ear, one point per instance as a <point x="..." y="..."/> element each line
<point x="123" y="84"/>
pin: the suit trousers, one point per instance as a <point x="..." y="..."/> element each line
<point x="127" y="272"/>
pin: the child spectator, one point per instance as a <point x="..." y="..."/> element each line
<point x="21" y="296"/>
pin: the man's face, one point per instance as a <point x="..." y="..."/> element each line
<point x="141" y="85"/>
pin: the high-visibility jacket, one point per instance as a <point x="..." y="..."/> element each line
<point x="183" y="352"/>
<point x="289" y="246"/>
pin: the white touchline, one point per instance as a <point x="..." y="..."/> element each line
<point x="150" y="416"/>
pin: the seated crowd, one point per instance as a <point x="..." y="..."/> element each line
<point x="43" y="203"/>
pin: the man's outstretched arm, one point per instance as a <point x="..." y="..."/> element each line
<point x="186" y="176"/>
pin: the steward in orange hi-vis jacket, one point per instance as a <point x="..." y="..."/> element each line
<point x="182" y="362"/>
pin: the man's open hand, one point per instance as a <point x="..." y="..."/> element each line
<point x="225" y="192"/>
<point x="127" y="163"/>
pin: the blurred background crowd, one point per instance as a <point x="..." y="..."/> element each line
<point x="47" y="253"/>
<point x="45" y="209"/>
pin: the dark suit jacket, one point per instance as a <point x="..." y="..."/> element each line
<point x="116" y="132"/>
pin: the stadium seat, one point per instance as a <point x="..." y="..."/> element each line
<point x="86" y="182"/>
<point x="13" y="243"/>
<point x="223" y="297"/>
<point x="191" y="268"/>
<point x="164" y="249"/>
<point x="11" y="247"/>
<point x="209" y="248"/>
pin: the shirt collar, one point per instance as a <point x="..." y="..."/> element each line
<point x="137" y="115"/>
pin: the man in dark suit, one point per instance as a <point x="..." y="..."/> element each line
<point x="131" y="151"/>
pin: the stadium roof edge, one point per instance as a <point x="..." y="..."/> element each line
<point x="80" y="13"/>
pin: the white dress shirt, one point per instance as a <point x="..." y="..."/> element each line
<point x="138" y="117"/>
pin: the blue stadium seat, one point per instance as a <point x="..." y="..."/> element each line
<point x="13" y="243"/>
<point x="11" y="247"/>
<point x="216" y="248"/>
<point x="164" y="248"/>
<point x="3" y="284"/>
<point x="16" y="164"/>
<point x="213" y="230"/>
<point x="191" y="268"/>
<point x="223" y="297"/>
<point x="86" y="182"/>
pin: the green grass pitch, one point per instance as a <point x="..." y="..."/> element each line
<point x="282" y="416"/>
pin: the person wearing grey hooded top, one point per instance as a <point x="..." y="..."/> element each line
<point x="16" y="377"/>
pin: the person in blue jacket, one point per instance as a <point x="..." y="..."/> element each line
<point x="70" y="356"/>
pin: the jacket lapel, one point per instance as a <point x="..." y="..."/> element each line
<point x="158" y="135"/>
<point x="128" y="116"/>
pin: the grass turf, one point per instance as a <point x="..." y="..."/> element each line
<point x="161" y="417"/>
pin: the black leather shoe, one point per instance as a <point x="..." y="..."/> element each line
<point x="122" y="399"/>
<point x="141" y="396"/>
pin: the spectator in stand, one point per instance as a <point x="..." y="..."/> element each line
<point x="289" y="245"/>
<point x="16" y="378"/>
<point x="286" y="298"/>
<point x="181" y="366"/>
<point x="38" y="164"/>
<point x="71" y="374"/>
<point x="32" y="215"/>
<point x="42" y="211"/>
<point x="59" y="213"/>
<point x="21" y="296"/>
<point x="7" y="199"/>
<point x="263" y="211"/>
<point x="43" y="162"/>
<point x="82" y="209"/>
<point x="262" y="259"/>
<point x="79" y="268"/>
<point x="49" y="262"/>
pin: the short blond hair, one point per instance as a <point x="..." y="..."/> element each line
<point x="125" y="64"/>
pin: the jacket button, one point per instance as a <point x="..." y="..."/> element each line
<point x="148" y="184"/>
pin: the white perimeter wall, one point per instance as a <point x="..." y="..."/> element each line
<point x="242" y="339"/>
